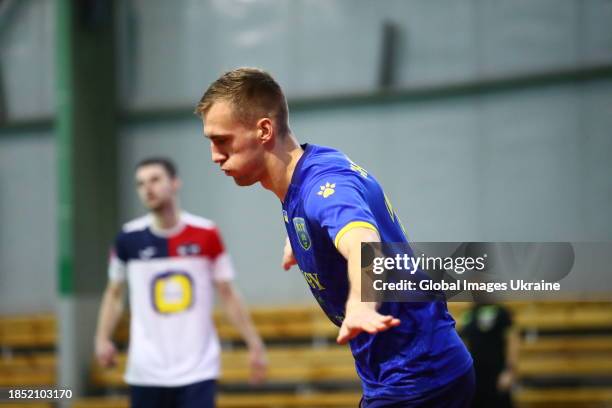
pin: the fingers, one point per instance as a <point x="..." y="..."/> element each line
<point x="288" y="262"/>
<point x="394" y="322"/>
<point x="107" y="356"/>
<point x="104" y="361"/>
<point x="259" y="365"/>
<point x="113" y="359"/>
<point x="258" y="374"/>
<point x="346" y="334"/>
<point x="109" y="360"/>
<point x="390" y="320"/>
<point x="387" y="323"/>
<point x="288" y="258"/>
<point x="373" y="325"/>
<point x="259" y="368"/>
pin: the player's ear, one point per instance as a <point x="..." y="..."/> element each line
<point x="177" y="183"/>
<point x="265" y="130"/>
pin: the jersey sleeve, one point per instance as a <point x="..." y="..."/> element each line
<point x="222" y="266"/>
<point x="117" y="264"/>
<point x="338" y="204"/>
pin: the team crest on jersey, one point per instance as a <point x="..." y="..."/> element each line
<point x="327" y="190"/>
<point x="172" y="292"/>
<point x="302" y="233"/>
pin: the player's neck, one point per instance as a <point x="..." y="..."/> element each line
<point x="166" y="217"/>
<point x="281" y="166"/>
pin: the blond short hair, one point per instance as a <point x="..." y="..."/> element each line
<point x="253" y="94"/>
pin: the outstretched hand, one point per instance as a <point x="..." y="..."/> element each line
<point x="364" y="318"/>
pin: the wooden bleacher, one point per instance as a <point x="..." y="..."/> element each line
<point x="33" y="331"/>
<point x="554" y="348"/>
<point x="303" y="364"/>
<point x="565" y="398"/>
<point x="30" y="370"/>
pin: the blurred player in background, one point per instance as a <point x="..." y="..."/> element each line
<point x="494" y="344"/>
<point x="173" y="263"/>
<point x="406" y="354"/>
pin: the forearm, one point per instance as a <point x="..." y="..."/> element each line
<point x="350" y="248"/>
<point x="240" y="319"/>
<point x="355" y="280"/>
<point x="109" y="315"/>
<point x="360" y="316"/>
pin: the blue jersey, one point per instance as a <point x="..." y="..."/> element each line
<point x="328" y="196"/>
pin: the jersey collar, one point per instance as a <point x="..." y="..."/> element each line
<point x="296" y="177"/>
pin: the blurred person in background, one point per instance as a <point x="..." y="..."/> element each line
<point x="173" y="263"/>
<point x="406" y="354"/>
<point x="494" y="344"/>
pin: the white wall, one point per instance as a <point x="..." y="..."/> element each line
<point x="518" y="165"/>
<point x="28" y="233"/>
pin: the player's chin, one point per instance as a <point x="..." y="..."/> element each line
<point x="154" y="205"/>
<point x="244" y="181"/>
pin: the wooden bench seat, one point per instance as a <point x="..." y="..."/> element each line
<point x="335" y="364"/>
<point x="542" y="356"/>
<point x="280" y="323"/>
<point x="546" y="357"/>
<point x="28" y="370"/>
<point x="286" y="365"/>
<point x="564" y="397"/>
<point x="566" y="344"/>
<point x="547" y="316"/>
<point x="566" y="366"/>
<point x="28" y="331"/>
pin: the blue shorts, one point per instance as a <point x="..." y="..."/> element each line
<point x="458" y="394"/>
<point x="197" y="395"/>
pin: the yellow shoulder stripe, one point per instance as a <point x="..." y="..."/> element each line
<point x="350" y="226"/>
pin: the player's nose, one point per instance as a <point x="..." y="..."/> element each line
<point x="216" y="155"/>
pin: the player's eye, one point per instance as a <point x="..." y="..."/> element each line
<point x="218" y="140"/>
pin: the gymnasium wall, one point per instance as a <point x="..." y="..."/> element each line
<point x="28" y="182"/>
<point x="170" y="50"/>
<point x="528" y="163"/>
<point x="517" y="166"/>
<point x="28" y="229"/>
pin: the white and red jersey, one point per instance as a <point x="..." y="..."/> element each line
<point x="171" y="275"/>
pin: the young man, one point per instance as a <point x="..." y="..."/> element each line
<point x="406" y="354"/>
<point x="173" y="262"/>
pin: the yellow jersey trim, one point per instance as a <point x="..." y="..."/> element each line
<point x="353" y="225"/>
